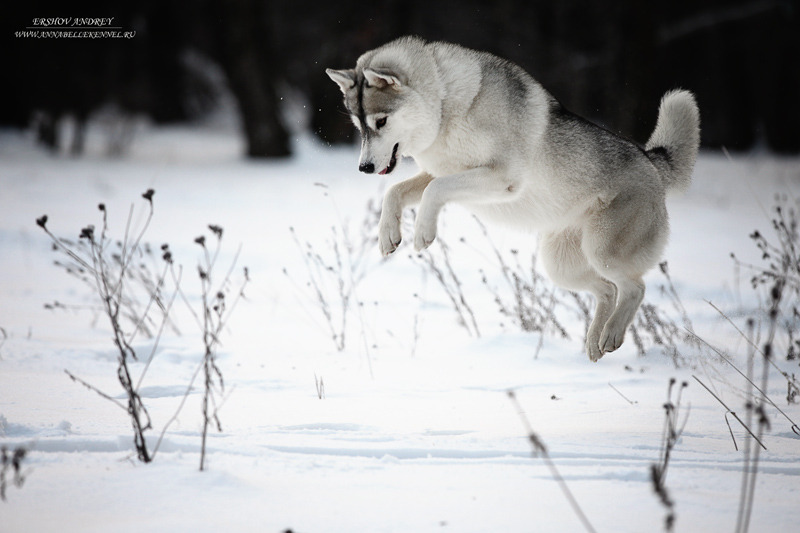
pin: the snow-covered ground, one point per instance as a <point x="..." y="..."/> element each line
<point x="415" y="431"/>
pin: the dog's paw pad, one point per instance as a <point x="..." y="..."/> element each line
<point x="390" y="249"/>
<point x="424" y="234"/>
<point x="610" y="341"/>
<point x="422" y="243"/>
<point x="594" y="352"/>
<point x="389" y="237"/>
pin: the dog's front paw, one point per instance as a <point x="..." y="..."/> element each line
<point x="424" y="233"/>
<point x="389" y="235"/>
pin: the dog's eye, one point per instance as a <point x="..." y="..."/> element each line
<point x="381" y="122"/>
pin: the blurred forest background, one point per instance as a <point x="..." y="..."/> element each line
<point x="609" y="61"/>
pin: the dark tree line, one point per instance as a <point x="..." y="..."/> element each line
<point x="609" y="61"/>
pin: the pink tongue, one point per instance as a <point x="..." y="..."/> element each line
<point x="382" y="172"/>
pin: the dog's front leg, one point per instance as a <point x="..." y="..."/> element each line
<point x="477" y="185"/>
<point x="398" y="197"/>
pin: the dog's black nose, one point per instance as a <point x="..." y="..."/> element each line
<point x="366" y="168"/>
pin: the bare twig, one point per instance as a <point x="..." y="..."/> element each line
<point x="669" y="437"/>
<point x="449" y="281"/>
<point x="109" y="268"/>
<point x="539" y="448"/>
<point x="215" y="314"/>
<point x="11" y="461"/>
<point x="320" y="386"/>
<point x="794" y="390"/>
<point x="623" y="396"/>
<point x="107" y="273"/>
<point x="335" y="273"/>
<point x="529" y="301"/>
<point x="732" y="413"/>
<point x="3" y="339"/>
<point x="751" y="458"/>
<point x="94" y="389"/>
<point x="794" y="427"/>
<point x="153" y="350"/>
<point x="175" y="414"/>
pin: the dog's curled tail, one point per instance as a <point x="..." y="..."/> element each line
<point x="674" y="143"/>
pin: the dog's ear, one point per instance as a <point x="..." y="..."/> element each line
<point x="346" y="79"/>
<point x="382" y="78"/>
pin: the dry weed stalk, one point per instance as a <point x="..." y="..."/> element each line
<point x="780" y="271"/>
<point x="11" y="461"/>
<point x="538" y="448"/>
<point x="335" y="271"/>
<point x="108" y="270"/>
<point x="669" y="438"/>
<point x="3" y="339"/>
<point x="216" y="308"/>
<point x="441" y="267"/>
<point x="117" y="274"/>
<point x="654" y="327"/>
<point x="755" y="408"/>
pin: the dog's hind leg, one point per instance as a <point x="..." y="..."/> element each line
<point x="622" y="241"/>
<point x="631" y="294"/>
<point x="568" y="267"/>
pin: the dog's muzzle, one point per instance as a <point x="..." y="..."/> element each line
<point x="369" y="168"/>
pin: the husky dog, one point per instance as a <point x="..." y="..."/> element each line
<point x="486" y="135"/>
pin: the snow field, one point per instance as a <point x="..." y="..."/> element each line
<point x="415" y="432"/>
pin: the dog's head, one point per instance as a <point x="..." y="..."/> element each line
<point x="387" y="112"/>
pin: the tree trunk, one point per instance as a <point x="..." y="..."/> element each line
<point x="251" y="69"/>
